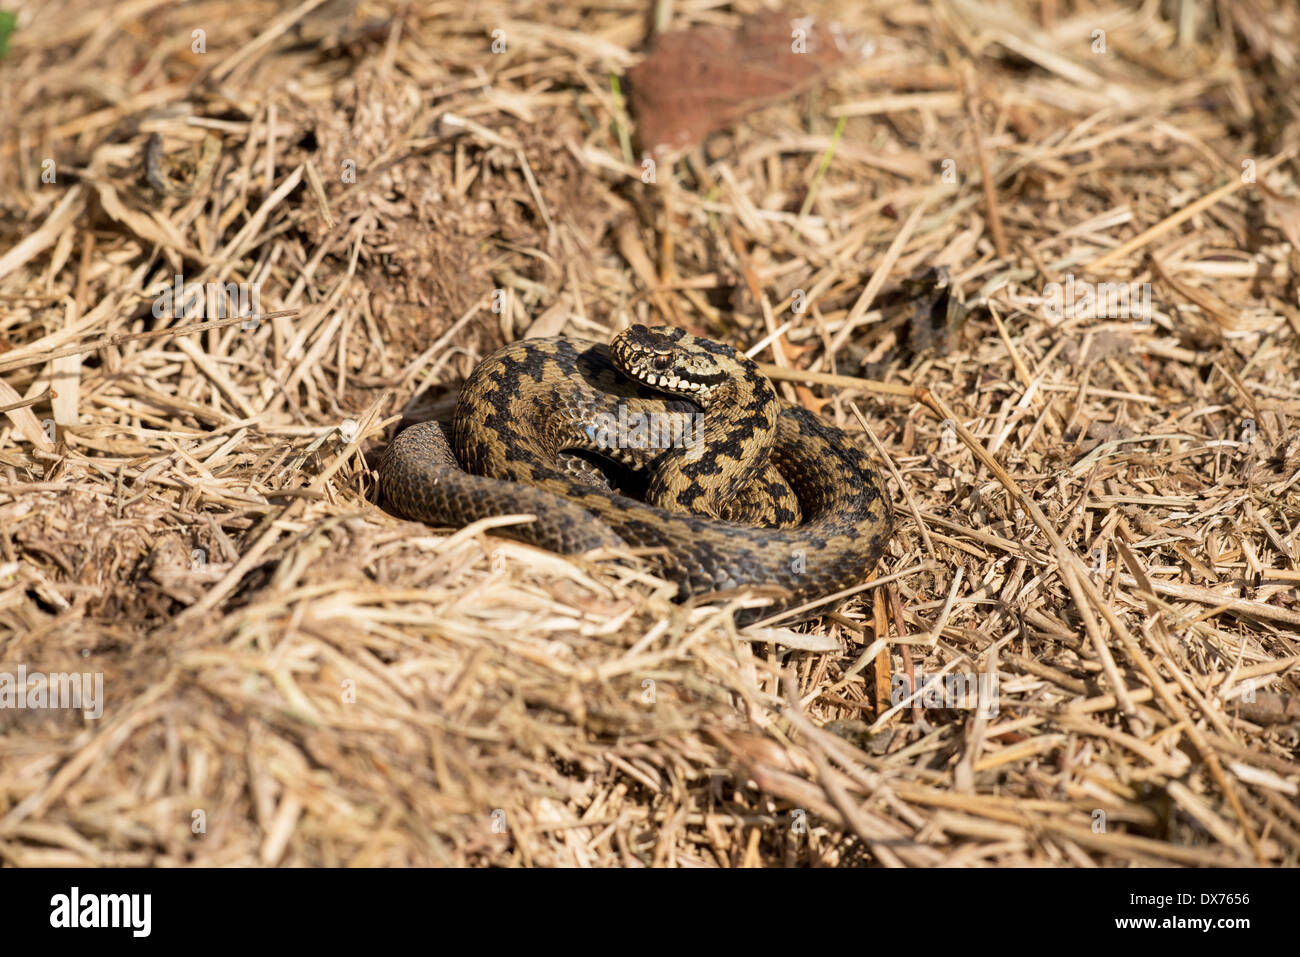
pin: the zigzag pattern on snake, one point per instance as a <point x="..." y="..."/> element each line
<point x="763" y="493"/>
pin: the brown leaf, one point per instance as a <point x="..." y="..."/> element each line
<point x="1286" y="213"/>
<point x="700" y="80"/>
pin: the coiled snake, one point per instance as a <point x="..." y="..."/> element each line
<point x="738" y="454"/>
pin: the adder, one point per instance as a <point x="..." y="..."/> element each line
<point x="762" y="495"/>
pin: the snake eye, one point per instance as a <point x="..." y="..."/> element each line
<point x="661" y="362"/>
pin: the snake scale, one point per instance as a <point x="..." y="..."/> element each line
<point x="752" y="491"/>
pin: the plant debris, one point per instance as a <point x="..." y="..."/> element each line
<point x="1082" y="648"/>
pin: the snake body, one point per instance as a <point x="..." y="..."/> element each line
<point x="822" y="515"/>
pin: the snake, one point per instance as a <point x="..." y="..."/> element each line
<point x="742" y="489"/>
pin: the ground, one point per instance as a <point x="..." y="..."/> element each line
<point x="1096" y="473"/>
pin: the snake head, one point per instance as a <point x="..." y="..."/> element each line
<point x="672" y="360"/>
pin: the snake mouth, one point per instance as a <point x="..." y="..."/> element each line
<point x="669" y="382"/>
<point x="665" y="381"/>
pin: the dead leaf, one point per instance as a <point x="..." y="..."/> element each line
<point x="700" y="80"/>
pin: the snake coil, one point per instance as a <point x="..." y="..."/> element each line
<point x="762" y="494"/>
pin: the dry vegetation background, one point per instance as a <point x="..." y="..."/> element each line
<point x="1110" y="523"/>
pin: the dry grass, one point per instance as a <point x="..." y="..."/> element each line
<point x="1103" y="514"/>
